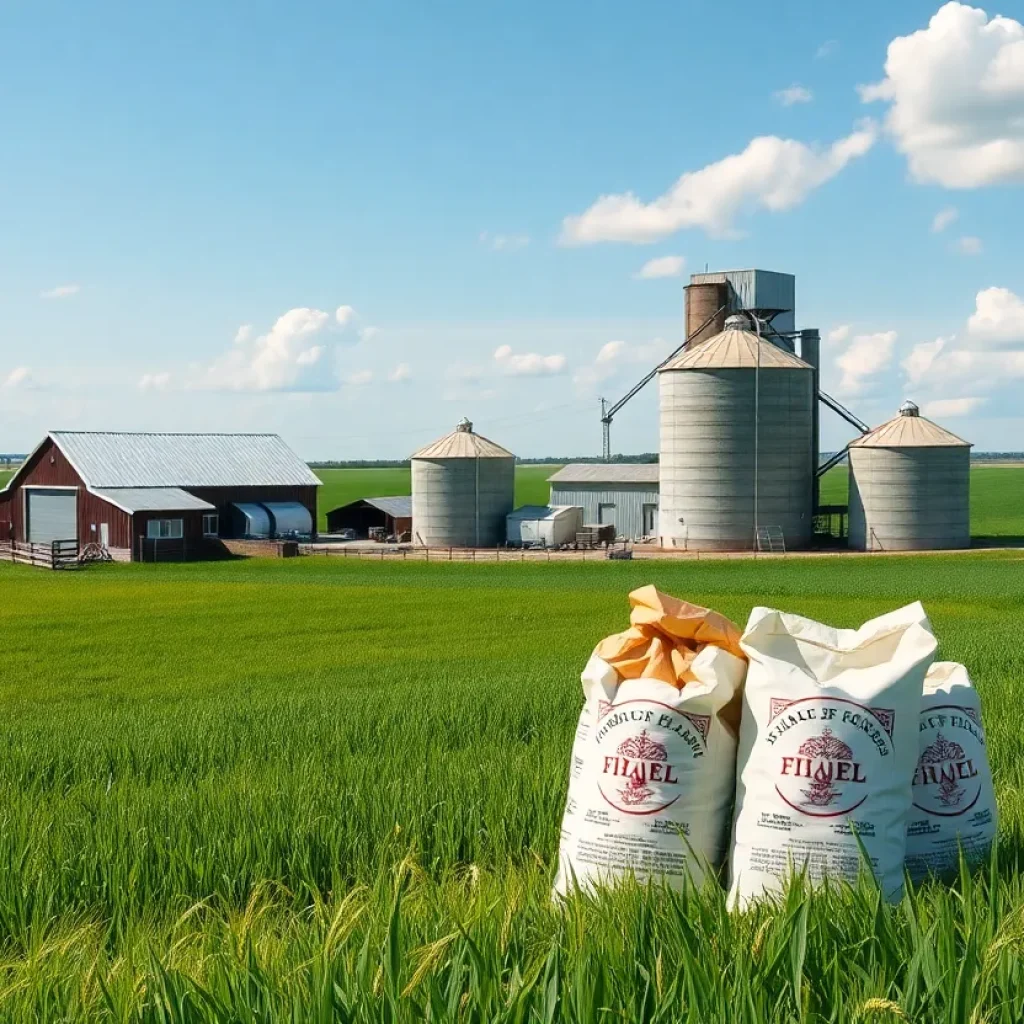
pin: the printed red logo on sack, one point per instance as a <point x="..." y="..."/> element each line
<point x="828" y="748"/>
<point x="642" y="746"/>
<point x="947" y="782"/>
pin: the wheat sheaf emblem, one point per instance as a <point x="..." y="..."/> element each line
<point x="941" y="752"/>
<point x="825" y="747"/>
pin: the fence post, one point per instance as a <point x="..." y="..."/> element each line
<point x="428" y="553"/>
<point x="449" y="554"/>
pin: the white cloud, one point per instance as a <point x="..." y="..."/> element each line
<point x="19" y="377"/>
<point x="956" y="98"/>
<point x="615" y="357"/>
<point x="771" y="173"/>
<point x="826" y="49"/>
<point x="793" y="94"/>
<point x="663" y="266"/>
<point x="62" y="291"/>
<point x="920" y="360"/>
<point x="610" y="351"/>
<point x="344" y="315"/>
<point x="950" y="407"/>
<point x="243" y="334"/>
<point x="527" y="364"/>
<point x="944" y="218"/>
<point x="969" y="245"/>
<point x="360" y="378"/>
<point x="403" y="371"/>
<point x="289" y="357"/>
<point x="867" y="355"/>
<point x="998" y="319"/>
<point x="368" y="333"/>
<point x="154" y="382"/>
<point x="504" y="242"/>
<point x="838" y="335"/>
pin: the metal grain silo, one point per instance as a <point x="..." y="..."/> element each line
<point x="713" y="397"/>
<point x="463" y="487"/>
<point x="910" y="486"/>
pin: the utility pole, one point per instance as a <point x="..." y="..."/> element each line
<point x="606" y="432"/>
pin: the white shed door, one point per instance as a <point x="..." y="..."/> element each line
<point x="52" y="515"/>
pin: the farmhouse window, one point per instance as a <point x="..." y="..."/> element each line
<point x="211" y="525"/>
<point x="164" y="529"/>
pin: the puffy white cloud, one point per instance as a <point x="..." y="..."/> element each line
<point x="368" y="333"/>
<point x="826" y="49"/>
<point x="771" y="173"/>
<point x="969" y="245"/>
<point x="949" y="407"/>
<point x="154" y="382"/>
<point x="663" y="266"/>
<point x="944" y="218"/>
<point x="289" y="357"/>
<point x="998" y="319"/>
<point x="838" y="335"/>
<point x="920" y="360"/>
<point x="243" y="334"/>
<point x="403" y="371"/>
<point x="344" y="315"/>
<point x="504" y="242"/>
<point x="19" y="377"/>
<point x="956" y="98"/>
<point x="610" y="351"/>
<point x="62" y="291"/>
<point x="867" y="356"/>
<point x="614" y="357"/>
<point x="527" y="364"/>
<point x="792" y="95"/>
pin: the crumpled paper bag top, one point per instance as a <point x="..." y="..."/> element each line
<point x="664" y="637"/>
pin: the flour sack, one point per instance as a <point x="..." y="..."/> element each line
<point x="954" y="802"/>
<point x="653" y="761"/>
<point x="828" y="747"/>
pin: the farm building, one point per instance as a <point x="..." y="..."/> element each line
<point x="139" y="495"/>
<point x="544" y="525"/>
<point x="391" y="514"/>
<point x="624" y="495"/>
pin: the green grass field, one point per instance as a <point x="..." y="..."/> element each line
<point x="318" y="790"/>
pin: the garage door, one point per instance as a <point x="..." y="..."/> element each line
<point x="52" y="515"/>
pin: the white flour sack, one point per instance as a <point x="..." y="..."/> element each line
<point x="654" y="759"/>
<point x="828" y="747"/>
<point x="954" y="803"/>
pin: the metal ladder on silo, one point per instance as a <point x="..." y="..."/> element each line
<point x="771" y="540"/>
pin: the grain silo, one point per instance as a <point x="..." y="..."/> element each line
<point x="909" y="486"/>
<point x="462" y="490"/>
<point x="713" y="397"/>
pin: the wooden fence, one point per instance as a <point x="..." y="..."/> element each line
<point x="60" y="554"/>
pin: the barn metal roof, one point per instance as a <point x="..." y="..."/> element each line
<point x="118" y="460"/>
<point x="398" y="507"/>
<point x="152" y="499"/>
<point x="462" y="443"/>
<point x="734" y="348"/>
<point x="909" y="430"/>
<point x="607" y="473"/>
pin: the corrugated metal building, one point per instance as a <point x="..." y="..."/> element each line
<point x="139" y="493"/>
<point x="765" y="290"/>
<point x="625" y="495"/>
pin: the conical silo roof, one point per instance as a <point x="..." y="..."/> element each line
<point x="462" y="443"/>
<point x="735" y="348"/>
<point x="909" y="429"/>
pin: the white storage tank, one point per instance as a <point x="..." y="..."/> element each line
<point x="463" y="488"/>
<point x="713" y="396"/>
<point x="544" y="525"/>
<point x="910" y="486"/>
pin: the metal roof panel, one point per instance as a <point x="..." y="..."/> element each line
<point x="607" y="472"/>
<point x="152" y="499"/>
<point x="735" y="349"/>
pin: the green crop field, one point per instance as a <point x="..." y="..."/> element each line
<point x="316" y="790"/>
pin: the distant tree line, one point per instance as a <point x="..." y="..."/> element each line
<point x="546" y="460"/>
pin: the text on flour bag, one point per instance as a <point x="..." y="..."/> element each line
<point x="654" y="757"/>
<point x="828" y="747"/>
<point x="954" y="803"/>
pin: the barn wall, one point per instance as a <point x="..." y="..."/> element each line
<point x="222" y="497"/>
<point x="191" y="546"/>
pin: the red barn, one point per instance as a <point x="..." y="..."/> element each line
<point x="170" y="494"/>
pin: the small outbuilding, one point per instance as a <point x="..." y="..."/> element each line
<point x="392" y="514"/>
<point x="544" y="525"/>
<point x="623" y="495"/>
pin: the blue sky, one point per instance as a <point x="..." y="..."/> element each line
<point x="354" y="224"/>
